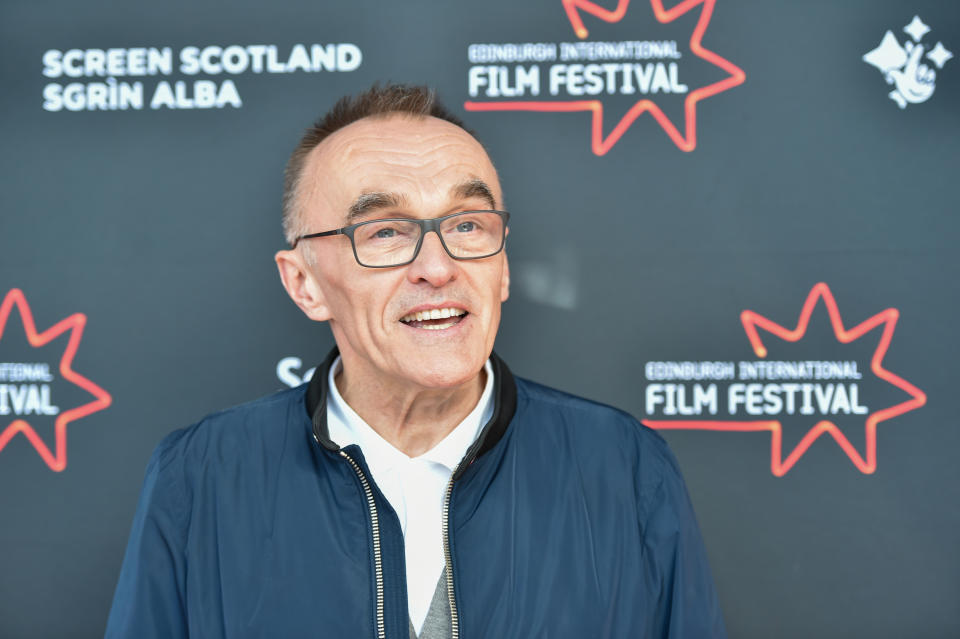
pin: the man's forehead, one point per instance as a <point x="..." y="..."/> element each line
<point x="376" y="161"/>
<point x="394" y="131"/>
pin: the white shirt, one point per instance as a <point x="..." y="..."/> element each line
<point x="415" y="487"/>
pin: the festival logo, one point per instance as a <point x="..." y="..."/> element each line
<point x="647" y="59"/>
<point x="796" y="399"/>
<point x="32" y="389"/>
<point x="902" y="65"/>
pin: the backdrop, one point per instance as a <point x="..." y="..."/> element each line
<point x="735" y="219"/>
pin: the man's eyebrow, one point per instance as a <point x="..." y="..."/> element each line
<point x="475" y="188"/>
<point x="371" y="202"/>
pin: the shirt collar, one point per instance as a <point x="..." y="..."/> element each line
<point x="347" y="427"/>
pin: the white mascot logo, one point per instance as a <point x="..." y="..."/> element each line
<point x="901" y="66"/>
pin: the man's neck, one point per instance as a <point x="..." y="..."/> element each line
<point x="411" y="418"/>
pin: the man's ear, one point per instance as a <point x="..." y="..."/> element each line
<point x="302" y="285"/>
<point x="505" y="279"/>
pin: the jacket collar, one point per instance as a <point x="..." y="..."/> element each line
<point x="504" y="406"/>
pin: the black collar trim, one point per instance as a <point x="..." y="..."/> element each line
<point x="504" y="406"/>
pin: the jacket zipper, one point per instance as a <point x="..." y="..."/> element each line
<point x="454" y="622"/>
<point x="378" y="563"/>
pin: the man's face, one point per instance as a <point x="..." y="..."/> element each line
<point x="399" y="166"/>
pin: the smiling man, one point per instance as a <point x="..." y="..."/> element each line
<point x="414" y="488"/>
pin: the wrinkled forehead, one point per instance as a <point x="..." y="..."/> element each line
<point x="423" y="161"/>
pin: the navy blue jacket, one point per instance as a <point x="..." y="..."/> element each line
<point x="566" y="518"/>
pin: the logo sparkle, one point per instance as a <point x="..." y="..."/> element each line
<point x="32" y="398"/>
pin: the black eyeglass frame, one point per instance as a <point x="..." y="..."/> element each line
<point x="431" y="224"/>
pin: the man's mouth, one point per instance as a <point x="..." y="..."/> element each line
<point x="435" y="319"/>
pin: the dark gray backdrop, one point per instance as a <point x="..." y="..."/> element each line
<point x="159" y="226"/>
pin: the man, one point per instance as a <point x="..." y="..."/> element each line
<point x="414" y="488"/>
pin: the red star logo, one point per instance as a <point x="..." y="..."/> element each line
<point x="57" y="460"/>
<point x="600" y="144"/>
<point x="778" y="465"/>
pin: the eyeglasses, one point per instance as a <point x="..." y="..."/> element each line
<point x="467" y="235"/>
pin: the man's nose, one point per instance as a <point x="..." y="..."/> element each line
<point x="433" y="264"/>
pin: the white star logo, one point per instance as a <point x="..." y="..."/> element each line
<point x="889" y="55"/>
<point x="916" y="29"/>
<point x="939" y="55"/>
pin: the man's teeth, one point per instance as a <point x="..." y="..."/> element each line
<point x="438" y="327"/>
<point x="433" y="314"/>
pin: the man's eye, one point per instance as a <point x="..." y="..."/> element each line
<point x="466" y="227"/>
<point x="381" y="232"/>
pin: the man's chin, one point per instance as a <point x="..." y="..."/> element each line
<point x="443" y="370"/>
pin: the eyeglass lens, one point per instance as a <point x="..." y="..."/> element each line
<point x="472" y="234"/>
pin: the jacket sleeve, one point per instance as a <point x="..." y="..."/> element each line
<point x="149" y="599"/>
<point x="683" y="601"/>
